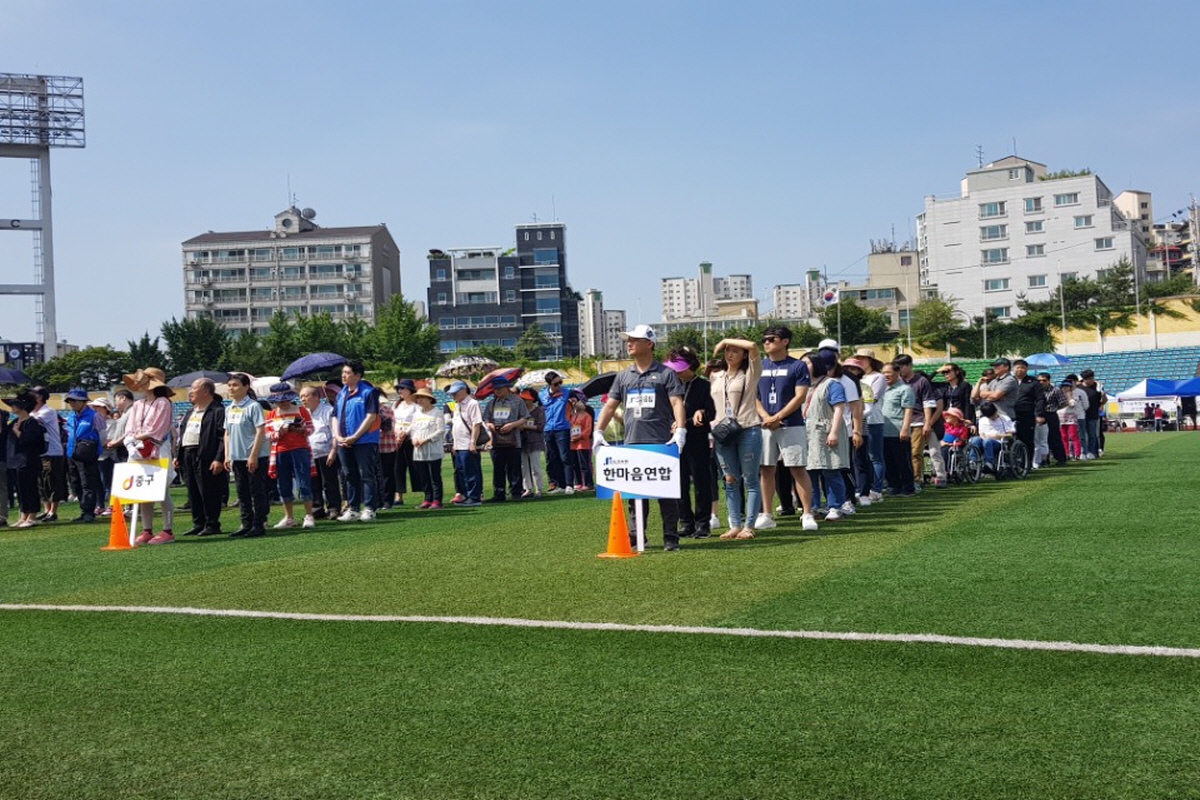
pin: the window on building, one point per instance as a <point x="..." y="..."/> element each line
<point x="1084" y="221"/>
<point x="1068" y="199"/>
<point x="539" y="236"/>
<point x="1014" y="174"/>
<point x="1104" y="243"/>
<point x="510" y="295"/>
<point x="1069" y="276"/>
<point x="548" y="305"/>
<point x="995" y="285"/>
<point x="545" y="255"/>
<point x="1000" y="312"/>
<point x="1033" y="205"/>
<point x="552" y="236"/>
<point x="439" y="274"/>
<point x="441" y="298"/>
<point x="906" y="261"/>
<point x="1035" y="250"/>
<point x="510" y="271"/>
<point x="1101" y="274"/>
<point x="1144" y="204"/>
<point x="989" y="210"/>
<point x="1037" y="281"/>
<point x="991" y="232"/>
<point x="1035" y="226"/>
<point x="997" y="255"/>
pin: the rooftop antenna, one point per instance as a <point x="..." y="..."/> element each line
<point x="291" y="198"/>
<point x="553" y="209"/>
<point x="535" y="217"/>
<point x="979" y="153"/>
<point x="1014" y="145"/>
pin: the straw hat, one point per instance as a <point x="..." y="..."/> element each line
<point x="423" y="392"/>
<point x="869" y="354"/>
<point x="145" y="380"/>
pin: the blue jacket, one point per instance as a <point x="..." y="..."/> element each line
<point x="83" y="426"/>
<point x="558" y="417"/>
<point x="351" y="410"/>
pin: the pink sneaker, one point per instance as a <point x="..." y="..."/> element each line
<point x="166" y="537"/>
<point x="435" y="505"/>
<point x="458" y="498"/>
<point x="426" y="504"/>
<point x="144" y="537"/>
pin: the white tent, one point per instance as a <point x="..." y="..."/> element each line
<point x="1135" y="392"/>
<point x="1133" y="400"/>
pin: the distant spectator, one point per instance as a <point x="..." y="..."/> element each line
<point x="26" y="442"/>
<point x="581" y="441"/>
<point x="426" y="432"/>
<point x="288" y="427"/>
<point x="53" y="481"/>
<point x="533" y="444"/>
<point x="148" y="438"/>
<point x="247" y="455"/>
<point x="695" y="460"/>
<point x="327" y="490"/>
<point x="202" y="452"/>
<point x="466" y="429"/>
<point x="356" y="433"/>
<point x="899" y="409"/>
<point x="85" y="432"/>
<point x="557" y="432"/>
<point x="404" y="410"/>
<point x="504" y="419"/>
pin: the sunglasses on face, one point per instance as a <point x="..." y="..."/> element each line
<point x="769" y="339"/>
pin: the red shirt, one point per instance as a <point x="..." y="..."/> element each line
<point x="581" y="431"/>
<point x="283" y="434"/>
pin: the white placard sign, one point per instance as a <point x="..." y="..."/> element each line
<point x="637" y="471"/>
<point x="141" y="481"/>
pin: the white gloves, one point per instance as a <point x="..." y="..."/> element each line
<point x="678" y="437"/>
<point x="598" y="440"/>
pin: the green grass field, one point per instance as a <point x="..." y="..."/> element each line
<point x="115" y="705"/>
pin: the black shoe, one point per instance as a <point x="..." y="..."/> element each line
<point x="670" y="545"/>
<point x="48" y="517"/>
<point x="320" y="514"/>
<point x="498" y="498"/>
<point x="85" y="518"/>
<point x="240" y="532"/>
<point x="186" y="507"/>
<point x="702" y="533"/>
<point x="195" y="530"/>
<point x="687" y="533"/>
<point x="208" y="532"/>
<point x="255" y="534"/>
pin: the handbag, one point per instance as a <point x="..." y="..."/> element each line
<point x="483" y="438"/>
<point x="727" y="429"/>
<point x="86" y="451"/>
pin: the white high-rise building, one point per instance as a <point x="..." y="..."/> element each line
<point x="1017" y="230"/>
<point x="614" y="325"/>
<point x="696" y="298"/>
<point x="591" y="323"/>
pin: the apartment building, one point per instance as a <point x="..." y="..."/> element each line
<point x="489" y="296"/>
<point x="1017" y="229"/>
<point x="241" y="279"/>
<point x="696" y="298"/>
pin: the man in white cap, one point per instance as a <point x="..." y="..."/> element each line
<point x="654" y="413"/>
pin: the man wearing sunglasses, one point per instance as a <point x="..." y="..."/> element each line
<point x="559" y="464"/>
<point x="782" y="388"/>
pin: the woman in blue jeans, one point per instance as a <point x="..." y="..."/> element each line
<point x="735" y="393"/>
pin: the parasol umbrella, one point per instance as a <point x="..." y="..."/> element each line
<point x="13" y="376"/>
<point x="262" y="386"/>
<point x="184" y="381"/>
<point x="598" y="385"/>
<point x="484" y="389"/>
<point x="466" y="366"/>
<point x="313" y="363"/>
<point x="535" y="379"/>
<point x="1046" y="360"/>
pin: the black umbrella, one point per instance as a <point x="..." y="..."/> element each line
<point x="313" y="363"/>
<point x="13" y="376"/>
<point x="598" y="385"/>
<point x="184" y="381"/>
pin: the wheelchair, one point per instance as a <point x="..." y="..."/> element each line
<point x="965" y="464"/>
<point x="1013" y="459"/>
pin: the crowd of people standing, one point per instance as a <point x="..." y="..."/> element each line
<point x="822" y="434"/>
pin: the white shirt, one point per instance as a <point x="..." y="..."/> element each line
<point x="321" y="439"/>
<point x="996" y="427"/>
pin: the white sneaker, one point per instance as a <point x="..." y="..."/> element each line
<point x="778" y="509"/>
<point x="366" y="516"/>
<point x="808" y="522"/>
<point x="847" y="509"/>
<point x="714" y="522"/>
<point x="764" y="522"/>
<point x="349" y="515"/>
<point x="556" y="490"/>
<point x="569" y="490"/>
<point x="832" y="515"/>
<point x="876" y="497"/>
<point x="286" y="522"/>
<point x="1036" y="465"/>
<point x="309" y="522"/>
<point x="864" y="501"/>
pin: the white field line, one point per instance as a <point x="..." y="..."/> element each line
<point x="903" y="638"/>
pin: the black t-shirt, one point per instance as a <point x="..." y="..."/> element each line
<point x="1093" y="396"/>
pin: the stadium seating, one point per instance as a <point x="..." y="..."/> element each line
<point x="1116" y="371"/>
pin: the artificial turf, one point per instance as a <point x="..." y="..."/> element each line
<point x="105" y="705"/>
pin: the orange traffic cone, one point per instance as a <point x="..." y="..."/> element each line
<point x="618" y="532"/>
<point x="118" y="531"/>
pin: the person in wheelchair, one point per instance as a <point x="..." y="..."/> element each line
<point x="994" y="429"/>
<point x="955" y="431"/>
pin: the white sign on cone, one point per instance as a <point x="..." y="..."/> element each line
<point x="141" y="481"/>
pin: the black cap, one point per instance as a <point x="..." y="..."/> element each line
<point x="1000" y="361"/>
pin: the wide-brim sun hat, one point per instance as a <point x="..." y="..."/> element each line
<point x="422" y="392"/>
<point x="869" y="355"/>
<point x="283" y="393"/>
<point x="146" y="379"/>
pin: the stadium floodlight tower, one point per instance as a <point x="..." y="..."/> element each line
<point x="38" y="112"/>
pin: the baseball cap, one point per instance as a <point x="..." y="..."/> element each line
<point x="641" y="332"/>
<point x="827" y="344"/>
<point x="1001" y="361"/>
<point x="456" y="387"/>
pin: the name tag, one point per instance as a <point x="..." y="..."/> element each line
<point x="640" y="400"/>
<point x="501" y="415"/>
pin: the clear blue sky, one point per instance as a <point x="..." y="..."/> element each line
<point x="768" y="138"/>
